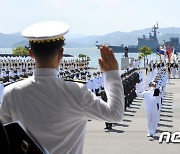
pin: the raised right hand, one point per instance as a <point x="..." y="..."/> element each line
<point x="107" y="61"/>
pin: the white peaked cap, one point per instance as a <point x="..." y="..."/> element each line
<point x="43" y="31"/>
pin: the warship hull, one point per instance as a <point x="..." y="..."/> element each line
<point x="150" y="42"/>
<point x="120" y="49"/>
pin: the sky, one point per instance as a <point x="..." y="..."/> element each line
<point x="90" y="17"/>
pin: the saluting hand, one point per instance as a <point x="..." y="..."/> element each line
<point x="107" y="61"/>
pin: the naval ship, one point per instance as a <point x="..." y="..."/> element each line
<point x="173" y="43"/>
<point x="150" y="42"/>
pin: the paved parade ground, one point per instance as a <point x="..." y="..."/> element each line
<point x="129" y="136"/>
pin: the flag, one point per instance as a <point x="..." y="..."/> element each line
<point x="169" y="52"/>
<point x="174" y="54"/>
<point x="157" y="51"/>
<point x="162" y="50"/>
<point x="174" y="50"/>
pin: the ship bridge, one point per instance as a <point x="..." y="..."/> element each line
<point x="150" y="42"/>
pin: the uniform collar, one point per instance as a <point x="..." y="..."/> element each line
<point x="45" y="72"/>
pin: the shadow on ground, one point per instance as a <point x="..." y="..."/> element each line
<point x="128" y="114"/>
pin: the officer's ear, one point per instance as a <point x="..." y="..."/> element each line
<point x="60" y="53"/>
<point x="31" y="53"/>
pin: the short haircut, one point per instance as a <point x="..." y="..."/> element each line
<point x="151" y="84"/>
<point x="46" y="50"/>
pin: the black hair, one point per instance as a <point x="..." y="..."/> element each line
<point x="46" y="50"/>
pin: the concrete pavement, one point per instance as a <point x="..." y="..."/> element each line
<point x="129" y="136"/>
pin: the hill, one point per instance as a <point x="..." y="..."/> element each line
<point x="80" y="41"/>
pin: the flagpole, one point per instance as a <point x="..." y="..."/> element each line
<point x="160" y="58"/>
<point x="173" y="54"/>
<point x="164" y="53"/>
<point x="156" y="58"/>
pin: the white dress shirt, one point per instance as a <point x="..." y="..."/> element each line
<point x="56" y="111"/>
<point x="89" y="84"/>
<point x="1" y="90"/>
<point x="150" y="100"/>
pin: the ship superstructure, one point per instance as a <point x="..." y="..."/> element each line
<point x="150" y="42"/>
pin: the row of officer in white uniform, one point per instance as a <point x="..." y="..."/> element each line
<point x="153" y="98"/>
<point x="160" y="81"/>
<point x="76" y="63"/>
<point x="152" y="73"/>
<point x="21" y="63"/>
<point x="175" y="70"/>
<point x="11" y="63"/>
<point x="96" y="82"/>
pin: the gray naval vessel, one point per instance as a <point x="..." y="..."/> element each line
<point x="173" y="43"/>
<point x="150" y="42"/>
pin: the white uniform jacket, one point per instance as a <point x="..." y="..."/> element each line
<point x="150" y="100"/>
<point x="56" y="111"/>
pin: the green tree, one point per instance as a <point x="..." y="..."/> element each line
<point x="84" y="56"/>
<point x="20" y="51"/>
<point x="145" y="51"/>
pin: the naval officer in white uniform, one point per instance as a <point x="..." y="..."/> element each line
<point x="151" y="108"/>
<point x="179" y="71"/>
<point x="56" y="111"/>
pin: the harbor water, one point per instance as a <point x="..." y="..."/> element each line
<point x="93" y="53"/>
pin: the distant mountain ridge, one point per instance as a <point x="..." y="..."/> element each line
<point x="9" y="40"/>
<point x="81" y="41"/>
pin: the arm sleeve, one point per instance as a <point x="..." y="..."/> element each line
<point x="5" y="115"/>
<point x="111" y="111"/>
<point x="140" y="94"/>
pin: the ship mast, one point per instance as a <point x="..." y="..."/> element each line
<point x="154" y="30"/>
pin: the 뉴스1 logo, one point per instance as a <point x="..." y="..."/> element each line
<point x="174" y="137"/>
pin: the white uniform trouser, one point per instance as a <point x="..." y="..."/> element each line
<point x="152" y="117"/>
<point x="168" y="80"/>
<point x="173" y="73"/>
<point x="158" y="113"/>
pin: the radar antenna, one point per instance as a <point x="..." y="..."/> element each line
<point x="154" y="30"/>
<point x="157" y="25"/>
